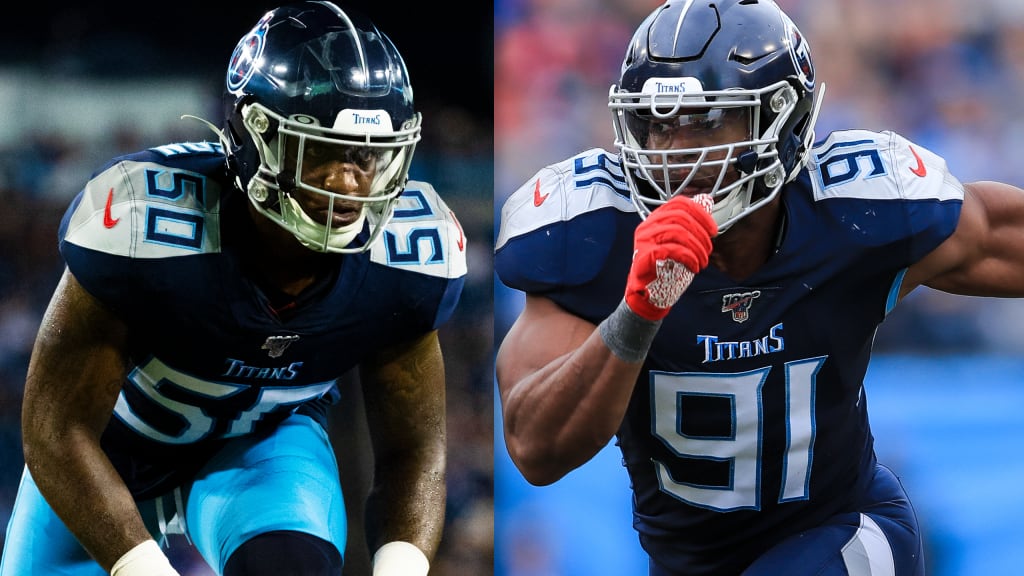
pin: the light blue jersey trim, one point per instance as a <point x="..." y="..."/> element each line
<point x="894" y="291"/>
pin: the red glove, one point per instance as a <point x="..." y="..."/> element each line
<point x="669" y="247"/>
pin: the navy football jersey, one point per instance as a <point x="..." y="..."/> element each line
<point x="749" y="420"/>
<point x="163" y="238"/>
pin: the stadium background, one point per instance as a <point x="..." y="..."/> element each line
<point x="82" y="82"/>
<point x="946" y="386"/>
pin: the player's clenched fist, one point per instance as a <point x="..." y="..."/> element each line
<point x="669" y="248"/>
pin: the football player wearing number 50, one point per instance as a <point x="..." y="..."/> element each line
<point x="708" y="295"/>
<point x="214" y="293"/>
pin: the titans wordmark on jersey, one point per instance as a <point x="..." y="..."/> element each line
<point x="748" y="422"/>
<point x="162" y="237"/>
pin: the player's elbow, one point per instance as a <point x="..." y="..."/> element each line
<point x="35" y="432"/>
<point x="49" y="440"/>
<point x="540" y="479"/>
<point x="536" y="469"/>
<point x="37" y="447"/>
<point x="540" y="460"/>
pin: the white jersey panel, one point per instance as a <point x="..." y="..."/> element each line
<point x="879" y="166"/>
<point x="147" y="210"/>
<point x="560" y="192"/>
<point x="423" y="236"/>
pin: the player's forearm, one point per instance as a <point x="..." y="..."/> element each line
<point x="404" y="393"/>
<point x="560" y="416"/>
<point x="81" y="485"/>
<point x="407" y="502"/>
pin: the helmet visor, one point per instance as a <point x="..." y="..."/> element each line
<point x="693" y="148"/>
<point x="334" y="181"/>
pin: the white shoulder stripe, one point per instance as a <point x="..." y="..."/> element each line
<point x="423" y="236"/>
<point x="559" y="192"/>
<point x="880" y="166"/>
<point x="145" y="210"/>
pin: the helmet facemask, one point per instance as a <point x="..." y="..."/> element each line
<point x="297" y="156"/>
<point x="733" y="158"/>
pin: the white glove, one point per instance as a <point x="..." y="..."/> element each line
<point x="400" y="559"/>
<point x="146" y="559"/>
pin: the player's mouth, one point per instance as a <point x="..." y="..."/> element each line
<point x="343" y="214"/>
<point x="695" y="186"/>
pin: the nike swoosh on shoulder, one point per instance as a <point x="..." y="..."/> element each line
<point x="462" y="239"/>
<point x="920" y="169"/>
<point x="537" y="198"/>
<point x="108" y="220"/>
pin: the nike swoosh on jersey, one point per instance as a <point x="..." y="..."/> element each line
<point x="920" y="169"/>
<point x="108" y="220"/>
<point x="537" y="198"/>
<point x="462" y="239"/>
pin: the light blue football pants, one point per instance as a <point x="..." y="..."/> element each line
<point x="287" y="480"/>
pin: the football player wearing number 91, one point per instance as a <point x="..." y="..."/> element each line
<point x="708" y="295"/>
<point x="213" y="295"/>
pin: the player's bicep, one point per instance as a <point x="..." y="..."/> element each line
<point x="983" y="257"/>
<point x="78" y="363"/>
<point x="543" y="333"/>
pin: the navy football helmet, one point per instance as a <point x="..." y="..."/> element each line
<point x="309" y="84"/>
<point x="714" y="97"/>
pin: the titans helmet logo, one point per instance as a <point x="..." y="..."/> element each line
<point x="800" y="53"/>
<point x="246" y="56"/>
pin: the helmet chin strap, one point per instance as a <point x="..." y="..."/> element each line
<point x="220" y="133"/>
<point x="224" y="143"/>
<point x="725" y="211"/>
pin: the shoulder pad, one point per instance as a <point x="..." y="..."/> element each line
<point x="423" y="236"/>
<point x="881" y="189"/>
<point x="142" y="207"/>
<point x="879" y="166"/>
<point x="189" y="149"/>
<point x="587" y="182"/>
<point x="559" y="228"/>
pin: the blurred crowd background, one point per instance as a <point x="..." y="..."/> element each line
<point x="946" y="386"/>
<point x="81" y="83"/>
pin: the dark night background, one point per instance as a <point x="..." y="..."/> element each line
<point x="81" y="82"/>
<point x="449" y="58"/>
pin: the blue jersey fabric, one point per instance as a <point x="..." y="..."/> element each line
<point x="163" y="238"/>
<point x="749" y="422"/>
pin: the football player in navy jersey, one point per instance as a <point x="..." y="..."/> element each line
<point x="214" y="293"/>
<point x="708" y="293"/>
